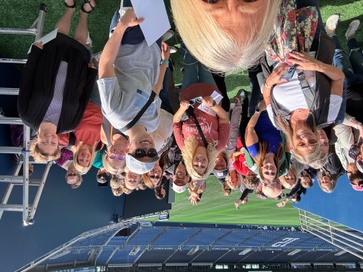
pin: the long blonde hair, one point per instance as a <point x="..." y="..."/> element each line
<point x="307" y="159"/>
<point x="81" y="169"/>
<point x="190" y="145"/>
<point x="215" y="48"/>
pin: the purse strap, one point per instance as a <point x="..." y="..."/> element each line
<point x="140" y="113"/>
<point x="190" y="112"/>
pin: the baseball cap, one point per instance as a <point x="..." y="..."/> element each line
<point x="220" y="174"/>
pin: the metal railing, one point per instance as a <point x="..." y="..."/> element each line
<point x="340" y="236"/>
<point x="28" y="210"/>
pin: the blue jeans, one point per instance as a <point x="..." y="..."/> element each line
<point x="164" y="93"/>
<point x="194" y="71"/>
<point x="256" y="95"/>
<point x="133" y="35"/>
<point x="351" y="66"/>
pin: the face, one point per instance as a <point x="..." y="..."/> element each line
<point x="131" y="180"/>
<point x="116" y="156"/>
<point x="251" y="175"/>
<point x="324" y="141"/>
<point x="72" y="173"/>
<point x="155" y="174"/>
<point x="200" y="160"/>
<point x="306" y="181"/>
<point x="290" y="177"/>
<point x="84" y="156"/>
<point x="325" y="182"/>
<point x="304" y="141"/>
<point x="234" y="179"/>
<point x="220" y="163"/>
<point x="180" y="177"/>
<point x="269" y="169"/>
<point x="236" y="17"/>
<point x="47" y="142"/>
<point x="143" y="142"/>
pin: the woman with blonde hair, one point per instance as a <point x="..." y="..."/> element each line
<point x="117" y="147"/>
<point x="56" y="83"/>
<point x="85" y="138"/>
<point x="233" y="179"/>
<point x="304" y="91"/>
<point x="205" y="133"/>
<point x="225" y="35"/>
<point x="290" y="179"/>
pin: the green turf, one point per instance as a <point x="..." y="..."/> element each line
<point x="214" y="207"/>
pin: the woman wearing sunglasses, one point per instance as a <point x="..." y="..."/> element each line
<point x="153" y="178"/>
<point x="205" y="132"/>
<point x="130" y="74"/>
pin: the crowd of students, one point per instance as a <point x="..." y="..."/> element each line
<point x="295" y="130"/>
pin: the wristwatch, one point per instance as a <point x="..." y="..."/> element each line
<point x="257" y="110"/>
<point x="214" y="103"/>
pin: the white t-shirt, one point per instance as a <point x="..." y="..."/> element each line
<point x="291" y="96"/>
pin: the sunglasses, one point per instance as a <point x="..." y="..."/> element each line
<point x="195" y="100"/>
<point x="114" y="156"/>
<point x="140" y="153"/>
<point x="154" y="176"/>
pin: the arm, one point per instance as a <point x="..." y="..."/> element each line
<point x="305" y="62"/>
<point x="184" y="105"/>
<point x="273" y="79"/>
<point x="221" y="113"/>
<point x="165" y="54"/>
<point x="178" y="135"/>
<point x="251" y="135"/>
<point x="108" y="57"/>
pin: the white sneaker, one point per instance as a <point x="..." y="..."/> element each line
<point x="332" y="23"/>
<point x="352" y="28"/>
<point x="89" y="41"/>
<point x="173" y="50"/>
<point x="168" y="34"/>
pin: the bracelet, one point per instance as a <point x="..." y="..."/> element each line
<point x="164" y="61"/>
<point x="267" y="86"/>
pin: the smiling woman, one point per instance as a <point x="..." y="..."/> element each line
<point x="225" y="35"/>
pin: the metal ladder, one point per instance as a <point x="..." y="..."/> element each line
<point x="28" y="210"/>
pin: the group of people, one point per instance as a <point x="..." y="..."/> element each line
<point x="301" y="124"/>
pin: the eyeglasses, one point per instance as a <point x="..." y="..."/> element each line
<point x="154" y="176"/>
<point x="113" y="156"/>
<point x="140" y="153"/>
<point x="72" y="174"/>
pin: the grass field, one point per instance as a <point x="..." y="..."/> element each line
<point x="214" y="207"/>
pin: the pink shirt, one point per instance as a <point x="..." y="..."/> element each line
<point x="210" y="125"/>
<point x="88" y="130"/>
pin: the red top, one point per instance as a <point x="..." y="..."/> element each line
<point x="88" y="130"/>
<point x="211" y="128"/>
<point x="240" y="164"/>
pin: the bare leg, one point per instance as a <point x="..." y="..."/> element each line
<point x="81" y="33"/>
<point x="64" y="23"/>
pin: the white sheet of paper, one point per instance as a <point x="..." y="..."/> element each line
<point x="47" y="38"/>
<point x="156" y="21"/>
<point x="216" y="97"/>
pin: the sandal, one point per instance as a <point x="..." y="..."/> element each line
<point x="69" y="6"/>
<point x="89" y="3"/>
